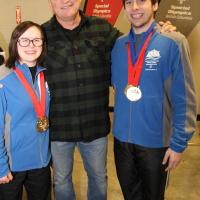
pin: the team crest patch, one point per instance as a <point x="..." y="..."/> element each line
<point x="152" y="59"/>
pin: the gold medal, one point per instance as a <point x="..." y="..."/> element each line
<point x="42" y="124"/>
<point x="39" y="104"/>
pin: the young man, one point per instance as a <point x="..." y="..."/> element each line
<point x="155" y="103"/>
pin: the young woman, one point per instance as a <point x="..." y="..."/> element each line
<point x="24" y="105"/>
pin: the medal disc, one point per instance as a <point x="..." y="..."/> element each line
<point x="42" y="124"/>
<point x="133" y="93"/>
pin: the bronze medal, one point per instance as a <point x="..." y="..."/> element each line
<point x="42" y="124"/>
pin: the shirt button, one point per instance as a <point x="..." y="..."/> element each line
<point x="76" y="49"/>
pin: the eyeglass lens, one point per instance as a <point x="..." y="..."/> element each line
<point x="24" y="42"/>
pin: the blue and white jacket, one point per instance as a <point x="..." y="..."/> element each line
<point x="21" y="146"/>
<point x="166" y="113"/>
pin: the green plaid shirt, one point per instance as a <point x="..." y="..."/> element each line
<point x="78" y="75"/>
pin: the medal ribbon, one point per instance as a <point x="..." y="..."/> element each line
<point x="135" y="70"/>
<point x="39" y="105"/>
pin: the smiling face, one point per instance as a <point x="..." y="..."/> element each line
<point x="140" y="14"/>
<point x="65" y="10"/>
<point x="29" y="54"/>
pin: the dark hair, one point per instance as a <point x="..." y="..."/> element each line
<point x="2" y="59"/>
<point x="18" y="31"/>
<point x="152" y="1"/>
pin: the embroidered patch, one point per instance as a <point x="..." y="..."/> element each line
<point x="152" y="59"/>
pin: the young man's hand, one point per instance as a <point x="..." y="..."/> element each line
<point x="172" y="158"/>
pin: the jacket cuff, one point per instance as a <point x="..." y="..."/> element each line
<point x="4" y="172"/>
<point x="179" y="144"/>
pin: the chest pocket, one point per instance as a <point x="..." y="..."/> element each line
<point x="96" y="51"/>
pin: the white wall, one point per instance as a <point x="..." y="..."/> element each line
<point x="33" y="10"/>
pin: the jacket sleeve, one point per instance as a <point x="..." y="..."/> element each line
<point x="4" y="168"/>
<point x="183" y="97"/>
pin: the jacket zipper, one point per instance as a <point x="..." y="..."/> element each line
<point x="130" y="119"/>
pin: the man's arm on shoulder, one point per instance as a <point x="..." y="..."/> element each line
<point x="166" y="26"/>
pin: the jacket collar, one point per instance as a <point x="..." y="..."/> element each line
<point x="24" y="68"/>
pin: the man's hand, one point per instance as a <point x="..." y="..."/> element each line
<point x="166" y="26"/>
<point x="6" y="179"/>
<point x="173" y="158"/>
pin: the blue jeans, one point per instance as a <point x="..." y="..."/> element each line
<point x="94" y="155"/>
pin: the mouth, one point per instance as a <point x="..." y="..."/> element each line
<point x="30" y="52"/>
<point x="66" y="6"/>
<point x="136" y="16"/>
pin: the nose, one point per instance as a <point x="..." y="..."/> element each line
<point x="31" y="44"/>
<point x="135" y="5"/>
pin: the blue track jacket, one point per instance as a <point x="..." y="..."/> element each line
<point x="166" y="113"/>
<point x="21" y="146"/>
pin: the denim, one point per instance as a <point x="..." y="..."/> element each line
<point x="94" y="156"/>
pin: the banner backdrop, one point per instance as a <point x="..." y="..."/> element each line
<point x="184" y="14"/>
<point x="107" y="9"/>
